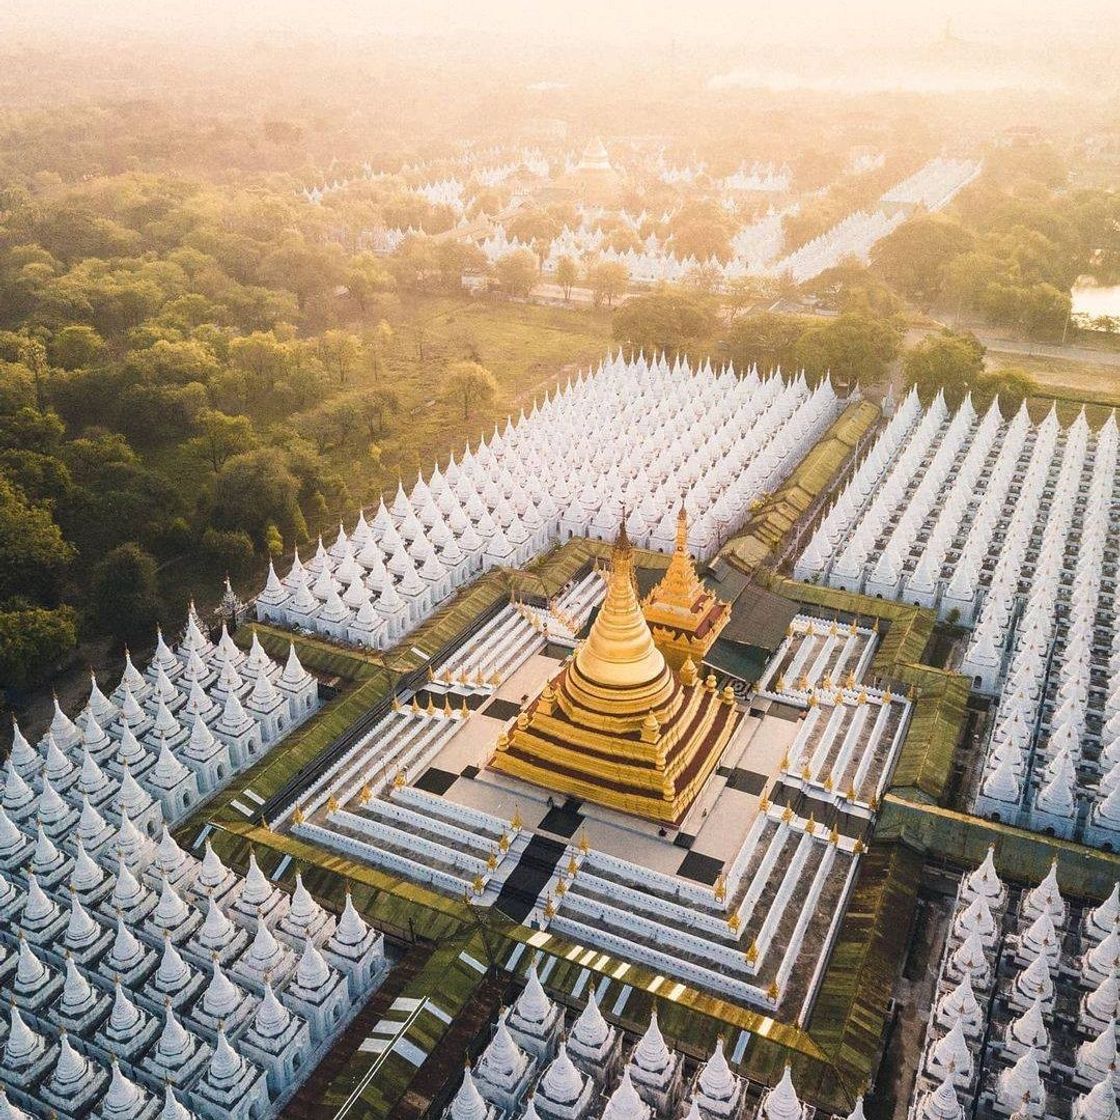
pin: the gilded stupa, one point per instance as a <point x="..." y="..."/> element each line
<point x="617" y="726"/>
<point x="684" y="616"/>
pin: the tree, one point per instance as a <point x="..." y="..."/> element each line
<point x="516" y="273"/>
<point x="229" y="552"/>
<point x="663" y="322"/>
<point x="376" y="406"/>
<point x="468" y="386"/>
<point x="367" y="279"/>
<point x="706" y="279"/>
<point x="33" y="554"/>
<point x="76" y="346"/>
<point x="702" y="231"/>
<point x="340" y="352"/>
<point x="567" y="273"/>
<point x="273" y="540"/>
<point x="33" y="354"/>
<point x="125" y="601"/>
<point x="945" y="361"/>
<point x="913" y="258"/>
<point x="175" y="363"/>
<point x="767" y="339"/>
<point x="221" y="436"/>
<point x="743" y="291"/>
<point x="304" y="269"/>
<point x="254" y="490"/>
<point x="852" y="347"/>
<point x="32" y="641"/>
<point x="607" y="280"/>
<point x="1011" y="386"/>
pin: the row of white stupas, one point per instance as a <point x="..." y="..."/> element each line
<point x="138" y="981"/>
<point x="536" y="1068"/>
<point x="1024" y="1014"/>
<point x="487" y="167"/>
<point x="1005" y="525"/>
<point x="1052" y="762"/>
<point x="934" y="185"/>
<point x="660" y="431"/>
<point x="443" y="192"/>
<point x="853" y="236"/>
<point x="163" y="740"/>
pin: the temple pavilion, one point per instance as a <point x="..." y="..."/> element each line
<point x="618" y="726"/>
<point x="683" y="615"/>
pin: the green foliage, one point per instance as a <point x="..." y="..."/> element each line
<point x="516" y="273"/>
<point x="125" y="598"/>
<point x="851" y="347"/>
<point x="702" y="231"/>
<point x="663" y="322"/>
<point x="220" y="437"/>
<point x="567" y="273"/>
<point x="944" y="362"/>
<point x="229" y="552"/>
<point x="913" y="258"/>
<point x="768" y="340"/>
<point x="75" y="347"/>
<point x="32" y="641"/>
<point x="607" y="281"/>
<point x="254" y="490"/>
<point x="469" y="386"/>
<point x="33" y="553"/>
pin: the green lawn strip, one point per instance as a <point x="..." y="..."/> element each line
<point x="850" y="1013"/>
<point x="774" y="515"/>
<point x="1020" y="855"/>
<point x="316" y="654"/>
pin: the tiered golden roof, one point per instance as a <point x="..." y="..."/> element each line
<point x="617" y="725"/>
<point x="683" y="614"/>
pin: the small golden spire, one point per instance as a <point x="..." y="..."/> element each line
<point x="332" y="803"/>
<point x="752" y="953"/>
<point x="516" y="823"/>
<point x="584" y="843"/>
<point x="297" y="816"/>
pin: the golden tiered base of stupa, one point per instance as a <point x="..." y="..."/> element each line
<point x="683" y="615"/>
<point x="617" y="726"/>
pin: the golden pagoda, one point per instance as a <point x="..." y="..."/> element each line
<point x="617" y="726"/>
<point x="683" y="614"/>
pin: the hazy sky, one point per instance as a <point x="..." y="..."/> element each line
<point x="765" y="20"/>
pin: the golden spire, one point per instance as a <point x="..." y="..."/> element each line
<point x="619" y="651"/>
